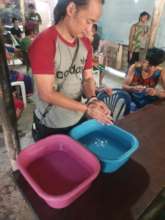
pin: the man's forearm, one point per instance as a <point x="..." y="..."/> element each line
<point x="160" y="93"/>
<point x="58" y="99"/>
<point x="128" y="88"/>
<point x="89" y="87"/>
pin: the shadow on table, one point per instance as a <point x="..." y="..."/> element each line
<point x="110" y="197"/>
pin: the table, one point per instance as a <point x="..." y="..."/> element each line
<point x="124" y="194"/>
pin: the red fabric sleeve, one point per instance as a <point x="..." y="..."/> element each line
<point x="89" y="60"/>
<point x="42" y="52"/>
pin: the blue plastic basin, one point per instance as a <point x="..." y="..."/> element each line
<point x="112" y="145"/>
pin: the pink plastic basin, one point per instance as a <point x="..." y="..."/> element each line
<point x="58" y="168"/>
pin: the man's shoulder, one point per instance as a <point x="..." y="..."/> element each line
<point x="135" y="25"/>
<point x="49" y="33"/>
<point x="45" y="39"/>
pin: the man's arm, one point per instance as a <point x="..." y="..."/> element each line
<point x="89" y="85"/>
<point x="158" y="92"/>
<point x="47" y="93"/>
<point x="162" y="92"/>
<point x="128" y="81"/>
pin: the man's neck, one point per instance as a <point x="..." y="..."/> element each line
<point x="64" y="32"/>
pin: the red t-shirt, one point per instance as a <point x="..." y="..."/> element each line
<point x="50" y="53"/>
<point x="42" y="52"/>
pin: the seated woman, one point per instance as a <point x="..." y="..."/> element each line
<point x="144" y="76"/>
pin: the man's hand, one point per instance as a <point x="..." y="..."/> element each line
<point x="151" y="91"/>
<point x="139" y="88"/>
<point x="99" y="111"/>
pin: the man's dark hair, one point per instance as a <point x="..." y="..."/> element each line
<point x="155" y="56"/>
<point x="144" y="13"/>
<point x="95" y="27"/>
<point x="31" y="6"/>
<point x="60" y="9"/>
<point x="14" y="19"/>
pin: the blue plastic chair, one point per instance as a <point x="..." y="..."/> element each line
<point x="119" y="102"/>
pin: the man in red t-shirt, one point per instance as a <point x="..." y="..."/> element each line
<point x="61" y="61"/>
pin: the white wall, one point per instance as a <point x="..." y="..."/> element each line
<point x="45" y="9"/>
<point x="119" y="15"/>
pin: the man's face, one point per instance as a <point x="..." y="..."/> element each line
<point x="147" y="67"/>
<point x="16" y="23"/>
<point x="83" y="19"/>
<point x="32" y="10"/>
<point x="144" y="19"/>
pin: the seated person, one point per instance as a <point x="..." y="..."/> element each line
<point x="24" y="45"/>
<point x="26" y="41"/>
<point x="15" y="30"/>
<point x="12" y="50"/>
<point x="144" y="76"/>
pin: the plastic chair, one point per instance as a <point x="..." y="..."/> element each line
<point x="119" y="102"/>
<point x="23" y="91"/>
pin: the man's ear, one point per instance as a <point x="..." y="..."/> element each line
<point x="71" y="9"/>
